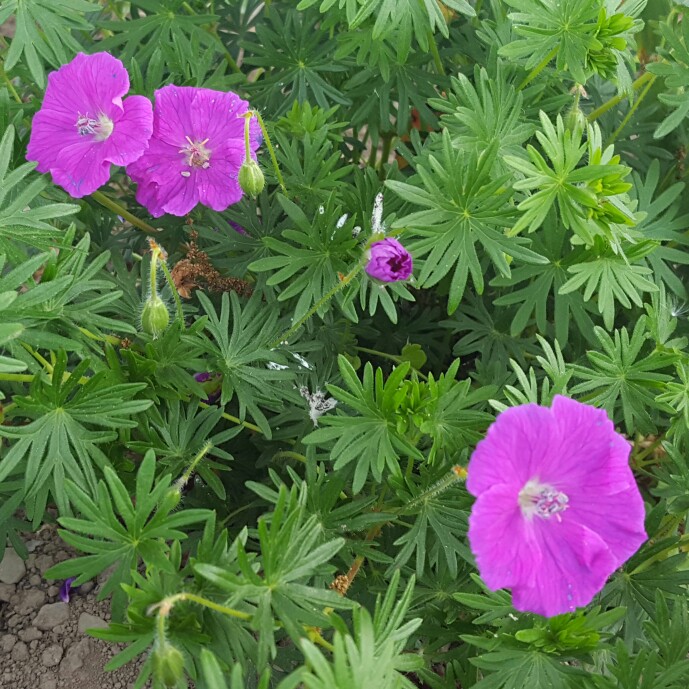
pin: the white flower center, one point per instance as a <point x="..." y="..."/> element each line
<point x="542" y="500"/>
<point x="196" y="154"/>
<point x="101" y="127"/>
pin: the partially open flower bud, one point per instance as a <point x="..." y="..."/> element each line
<point x="389" y="261"/>
<point x="168" y="664"/>
<point x="155" y="317"/>
<point x="251" y="179"/>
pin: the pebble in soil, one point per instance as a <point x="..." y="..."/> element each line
<point x="43" y="644"/>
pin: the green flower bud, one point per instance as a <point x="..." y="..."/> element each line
<point x="168" y="664"/>
<point x="251" y="179"/>
<point x="155" y="316"/>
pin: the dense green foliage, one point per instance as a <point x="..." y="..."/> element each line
<point x="531" y="156"/>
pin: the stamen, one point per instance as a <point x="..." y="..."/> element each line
<point x="101" y="128"/>
<point x="196" y="154"/>
<point x="542" y="500"/>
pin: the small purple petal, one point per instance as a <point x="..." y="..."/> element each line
<point x="65" y="589"/>
<point x="389" y="261"/>
<point x="238" y="228"/>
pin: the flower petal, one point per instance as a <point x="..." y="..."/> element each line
<point x="513" y="450"/>
<point x="502" y="541"/>
<point x="131" y="133"/>
<point x="573" y="567"/>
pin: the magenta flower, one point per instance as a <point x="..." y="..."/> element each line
<point x="84" y="126"/>
<point x="195" y="153"/>
<point x="557" y="507"/>
<point x="389" y="261"/>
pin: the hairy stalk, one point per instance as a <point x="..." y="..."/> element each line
<point x="537" y="69"/>
<point x="164" y="608"/>
<point x="323" y="300"/>
<point x="609" y="104"/>
<point x="271" y="151"/>
<point x="342" y="583"/>
<point x="108" y="203"/>
<point x="173" y="289"/>
<point x="182" y="481"/>
<point x="633" y="109"/>
<point x="9" y="84"/>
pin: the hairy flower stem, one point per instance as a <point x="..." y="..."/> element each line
<point x="344" y="281"/>
<point x="9" y="84"/>
<point x="457" y="473"/>
<point x="393" y="357"/>
<point x="609" y="104"/>
<point x="164" y="608"/>
<point x="175" y="294"/>
<point x="632" y="110"/>
<point x="108" y="203"/>
<point x="271" y="150"/>
<point x="182" y="481"/>
<point x="538" y="69"/>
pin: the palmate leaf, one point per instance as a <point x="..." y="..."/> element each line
<point x="117" y="529"/>
<point x="614" y="278"/>
<point x="73" y="293"/>
<point x="163" y="23"/>
<point x="22" y="213"/>
<point x="516" y="669"/>
<point x="177" y="433"/>
<point x="538" y="287"/>
<point x="622" y="379"/>
<point x="399" y="20"/>
<point x="370" y="439"/>
<point x="43" y="32"/>
<point x="437" y="534"/>
<point x="488" y="110"/>
<point x="306" y="263"/>
<point x="663" y="222"/>
<point x="292" y="552"/>
<point x="372" y="656"/>
<point x="298" y="62"/>
<point x="465" y="207"/>
<point x="242" y="352"/>
<point x="62" y="442"/>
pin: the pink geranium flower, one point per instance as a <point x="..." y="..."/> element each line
<point x="84" y="126"/>
<point x="195" y="153"/>
<point x="557" y="507"/>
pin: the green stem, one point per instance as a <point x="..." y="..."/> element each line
<point x="288" y="454"/>
<point x="17" y="377"/>
<point x="609" y="104"/>
<point x="538" y="68"/>
<point x="392" y="357"/>
<point x="271" y="150"/>
<point x="120" y="210"/>
<point x="175" y="294"/>
<point x="457" y="473"/>
<point x="10" y="85"/>
<point x="194" y="462"/>
<point x="155" y="254"/>
<point x="437" y="61"/>
<point x="662" y="555"/>
<point x="633" y="109"/>
<point x="110" y="339"/>
<point x="323" y="300"/>
<point x="234" y="419"/>
<point x="165" y="608"/>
